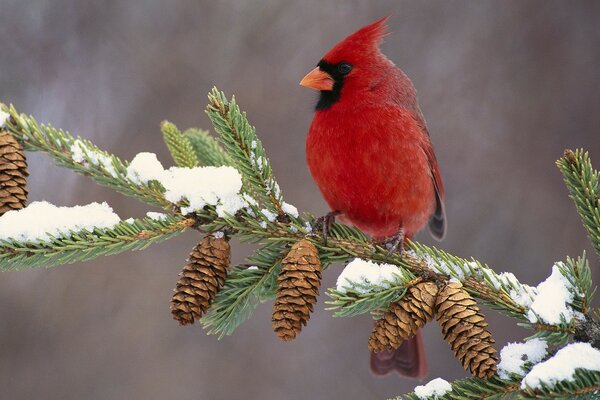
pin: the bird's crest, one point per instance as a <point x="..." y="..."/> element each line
<point x="364" y="41"/>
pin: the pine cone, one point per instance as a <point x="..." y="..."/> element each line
<point x="464" y="328"/>
<point x="298" y="287"/>
<point x="201" y="279"/>
<point x="404" y="317"/>
<point x="13" y="174"/>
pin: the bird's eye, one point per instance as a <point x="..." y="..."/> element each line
<point x="344" y="68"/>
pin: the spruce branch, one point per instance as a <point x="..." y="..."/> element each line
<point x="475" y="389"/>
<point x="362" y="298"/>
<point x="242" y="144"/>
<point x="208" y="150"/>
<point x="179" y="146"/>
<point x="584" y="385"/>
<point x="246" y="287"/>
<point x="584" y="188"/>
<point x="85" y="245"/>
<point x="104" y="168"/>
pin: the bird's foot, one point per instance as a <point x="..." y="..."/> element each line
<point x="395" y="243"/>
<point x="324" y="224"/>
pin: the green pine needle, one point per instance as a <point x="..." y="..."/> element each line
<point x="179" y="146"/>
<point x="208" y="150"/>
<point x="584" y="188"/>
<point x="246" y="150"/>
<point x="86" y="245"/>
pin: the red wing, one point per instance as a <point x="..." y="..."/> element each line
<point x="437" y="223"/>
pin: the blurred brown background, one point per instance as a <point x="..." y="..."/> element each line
<point x="505" y="87"/>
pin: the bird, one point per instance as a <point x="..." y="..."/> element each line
<point x="369" y="151"/>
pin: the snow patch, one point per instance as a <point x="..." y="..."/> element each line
<point x="289" y="209"/>
<point x="202" y="186"/>
<point x="520" y="293"/>
<point x="460" y="272"/>
<point x="562" y="366"/>
<point x="553" y="298"/>
<point x="40" y="221"/>
<point x="308" y="227"/>
<point x="434" y="389"/>
<point x="157" y="216"/>
<point x="363" y="272"/>
<point x="79" y="151"/>
<point x="513" y="357"/>
<point x="3" y="117"/>
<point x="271" y="216"/>
<point x="218" y="234"/>
<point x="145" y="167"/>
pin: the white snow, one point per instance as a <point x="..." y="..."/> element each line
<point x="433" y="389"/>
<point x="308" y="227"/>
<point x="289" y="209"/>
<point x="253" y="267"/>
<point x="271" y="216"/>
<point x="520" y="293"/>
<point x="277" y="190"/>
<point x="218" y="235"/>
<point x="263" y="224"/>
<point x="145" y="167"/>
<point x="130" y="220"/>
<point x="553" y="299"/>
<point x="79" y="151"/>
<point x="3" y="117"/>
<point x="363" y="272"/>
<point x="461" y="272"/>
<point x="562" y="366"/>
<point x="40" y="221"/>
<point x="513" y="357"/>
<point x="200" y="186"/>
<point x="253" y="145"/>
<point x="157" y="216"/>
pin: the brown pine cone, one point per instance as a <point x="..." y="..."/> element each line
<point x="13" y="174"/>
<point x="464" y="328"/>
<point x="298" y="287"/>
<point x="201" y="279"/>
<point x="404" y="317"/>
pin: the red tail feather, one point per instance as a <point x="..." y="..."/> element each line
<point x="408" y="360"/>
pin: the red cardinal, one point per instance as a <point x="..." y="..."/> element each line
<point x="369" y="152"/>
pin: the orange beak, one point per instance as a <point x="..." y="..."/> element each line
<point x="318" y="80"/>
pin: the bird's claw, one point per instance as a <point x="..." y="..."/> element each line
<point x="324" y="224"/>
<point x="394" y="243"/>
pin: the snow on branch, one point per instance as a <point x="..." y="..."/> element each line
<point x="43" y="234"/>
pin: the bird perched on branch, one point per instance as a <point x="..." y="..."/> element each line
<point x="369" y="152"/>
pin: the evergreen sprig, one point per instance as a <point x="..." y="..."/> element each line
<point x="208" y="150"/>
<point x="582" y="180"/>
<point x="104" y="168"/>
<point x="585" y="384"/>
<point x="179" y="146"/>
<point x="476" y="389"/>
<point x="246" y="287"/>
<point x="578" y="273"/>
<point x="242" y="144"/>
<point x="360" y="298"/>
<point x="86" y="245"/>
